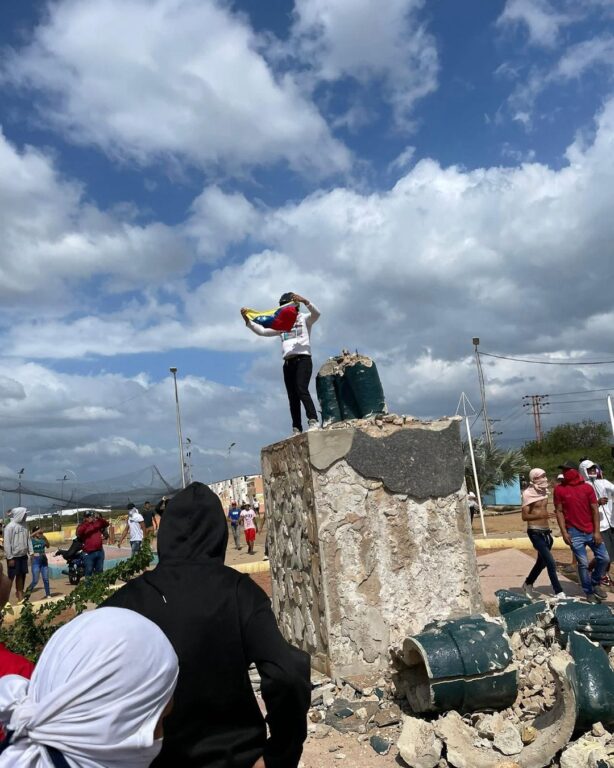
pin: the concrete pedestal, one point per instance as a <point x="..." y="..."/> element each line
<point x="369" y="537"/>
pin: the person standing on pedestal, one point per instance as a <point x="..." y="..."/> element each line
<point x="298" y="366"/>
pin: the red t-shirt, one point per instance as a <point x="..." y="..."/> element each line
<point x="14" y="664"/>
<point x="90" y="533"/>
<point x="576" y="501"/>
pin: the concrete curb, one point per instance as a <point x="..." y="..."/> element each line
<point x="263" y="567"/>
<point x="519" y="543"/>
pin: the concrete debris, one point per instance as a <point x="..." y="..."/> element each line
<point x="418" y="745"/>
<point x="535" y="732"/>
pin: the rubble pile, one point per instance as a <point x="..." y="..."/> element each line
<point x="535" y="732"/>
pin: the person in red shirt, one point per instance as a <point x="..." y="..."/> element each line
<point x="577" y="511"/>
<point x="90" y="533"/>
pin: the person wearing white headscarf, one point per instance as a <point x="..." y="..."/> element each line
<point x="95" y="696"/>
<point x="17" y="547"/>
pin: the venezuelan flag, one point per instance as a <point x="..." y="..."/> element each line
<point x="280" y="319"/>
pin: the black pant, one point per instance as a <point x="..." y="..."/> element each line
<point x="542" y="542"/>
<point x="297" y="374"/>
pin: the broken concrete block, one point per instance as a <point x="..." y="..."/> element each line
<point x="418" y="745"/>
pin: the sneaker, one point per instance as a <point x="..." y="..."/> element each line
<point x="296" y="431"/>
<point x="265" y="558"/>
<point x="312" y="425"/>
<point x="592" y="598"/>
<point x="530" y="592"/>
<point x="600" y="592"/>
<point x="560" y="596"/>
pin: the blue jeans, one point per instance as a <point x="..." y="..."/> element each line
<point x="579" y="542"/>
<point x="542" y="542"/>
<point x="39" y="570"/>
<point x="135" y="546"/>
<point x="94" y="562"/>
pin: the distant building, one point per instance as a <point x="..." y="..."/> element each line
<point x="240" y="489"/>
<point x="504" y="495"/>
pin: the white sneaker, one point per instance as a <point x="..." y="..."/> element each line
<point x="296" y="431"/>
<point x="312" y="425"/>
<point x="530" y="592"/>
<point x="560" y="596"/>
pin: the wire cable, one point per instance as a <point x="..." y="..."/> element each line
<point x="548" y="362"/>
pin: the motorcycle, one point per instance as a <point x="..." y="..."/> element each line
<point x="74" y="557"/>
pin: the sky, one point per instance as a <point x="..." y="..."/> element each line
<point x="423" y="172"/>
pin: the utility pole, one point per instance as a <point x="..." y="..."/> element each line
<point x="463" y="403"/>
<point x="478" y="362"/>
<point x="173" y="370"/>
<point x="536" y="403"/>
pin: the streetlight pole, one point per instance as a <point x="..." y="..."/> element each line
<point x="19" y="474"/>
<point x="173" y="370"/>
<point x="487" y="430"/>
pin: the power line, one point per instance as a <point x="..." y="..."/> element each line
<point x="548" y="362"/>
<point x="584" y="400"/>
<point x="580" y="392"/>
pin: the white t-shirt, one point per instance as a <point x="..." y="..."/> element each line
<point x="296" y="341"/>
<point x="247" y="516"/>
<point x="604" y="489"/>
<point x="135" y="518"/>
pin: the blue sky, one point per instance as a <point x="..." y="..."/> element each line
<point x="424" y="172"/>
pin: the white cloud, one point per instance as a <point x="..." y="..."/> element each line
<point x="542" y="21"/>
<point x="53" y="237"/>
<point x="369" y="41"/>
<point x="398" y="270"/>
<point x="185" y="80"/>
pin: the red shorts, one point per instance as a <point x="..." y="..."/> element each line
<point x="250" y="535"/>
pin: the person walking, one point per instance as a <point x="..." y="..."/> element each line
<point x="40" y="564"/>
<point x="90" y="533"/>
<point x="17" y="548"/>
<point x="234" y="515"/>
<point x="298" y="365"/>
<point x="250" y="527"/>
<point x="96" y="699"/>
<point x="604" y="490"/>
<point x="135" y="526"/>
<point x="149" y="518"/>
<point x="535" y="514"/>
<point x="577" y="511"/>
<point x="219" y="622"/>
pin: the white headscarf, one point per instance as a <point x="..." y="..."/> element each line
<point x="97" y="693"/>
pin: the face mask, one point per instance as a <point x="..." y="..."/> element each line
<point x="541" y="483"/>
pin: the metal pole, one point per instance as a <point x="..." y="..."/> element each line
<point x="611" y="410"/>
<point x="487" y="431"/>
<point x="475" y="475"/>
<point x="179" y="436"/>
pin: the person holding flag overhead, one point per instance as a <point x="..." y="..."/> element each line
<point x="294" y="329"/>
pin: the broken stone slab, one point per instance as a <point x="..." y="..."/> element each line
<point x="507" y="740"/>
<point x="389" y="716"/>
<point x="380" y="744"/>
<point x="418" y="745"/>
<point x="317" y="694"/>
<point x="465" y="665"/>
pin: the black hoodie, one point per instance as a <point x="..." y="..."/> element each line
<point x="219" y="622"/>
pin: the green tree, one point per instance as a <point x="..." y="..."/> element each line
<point x="572" y="441"/>
<point x="495" y="466"/>
<point x="570" y="437"/>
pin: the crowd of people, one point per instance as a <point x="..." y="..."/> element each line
<point x="246" y="516"/>
<point x="172" y="648"/>
<point x="583" y="509"/>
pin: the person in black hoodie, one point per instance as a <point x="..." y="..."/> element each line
<point x="219" y="622"/>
